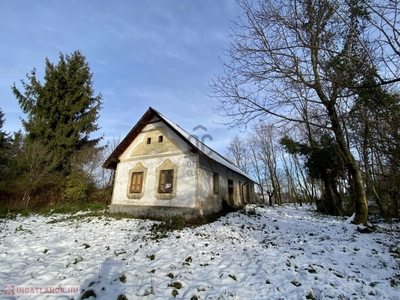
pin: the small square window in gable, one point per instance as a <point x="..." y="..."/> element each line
<point x="148" y="141"/>
<point x="160" y="138"/>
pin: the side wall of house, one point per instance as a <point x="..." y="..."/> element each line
<point x="233" y="189"/>
<point x="206" y="199"/>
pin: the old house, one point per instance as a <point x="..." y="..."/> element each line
<point x="161" y="170"/>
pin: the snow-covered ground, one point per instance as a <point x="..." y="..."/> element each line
<point x="259" y="253"/>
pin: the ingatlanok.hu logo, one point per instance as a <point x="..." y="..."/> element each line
<point x="18" y="290"/>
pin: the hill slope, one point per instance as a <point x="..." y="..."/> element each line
<point x="259" y="253"/>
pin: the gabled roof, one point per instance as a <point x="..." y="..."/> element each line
<point x="196" y="145"/>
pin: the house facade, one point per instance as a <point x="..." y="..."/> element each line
<point x="161" y="171"/>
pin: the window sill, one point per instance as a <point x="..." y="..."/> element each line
<point x="134" y="195"/>
<point x="165" y="196"/>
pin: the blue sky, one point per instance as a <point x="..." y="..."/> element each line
<point x="159" y="53"/>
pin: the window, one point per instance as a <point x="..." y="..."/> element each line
<point x="165" y="185"/>
<point x="248" y="193"/>
<point x="240" y="190"/>
<point x="160" y="139"/>
<point x="166" y="181"/>
<point x="136" y="182"/>
<point x="148" y="141"/>
<point x="215" y="183"/>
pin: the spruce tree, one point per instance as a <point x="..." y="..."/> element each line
<point x="5" y="143"/>
<point x="62" y="111"/>
<point x="3" y="135"/>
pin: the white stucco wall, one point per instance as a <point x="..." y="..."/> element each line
<point x="151" y="158"/>
<point x="207" y="201"/>
<point x="205" y="189"/>
<point x="185" y="186"/>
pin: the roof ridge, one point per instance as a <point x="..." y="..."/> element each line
<point x="173" y="124"/>
<point x="201" y="147"/>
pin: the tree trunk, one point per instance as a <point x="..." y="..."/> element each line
<point x="360" y="198"/>
<point x="361" y="213"/>
<point x="331" y="202"/>
<point x="370" y="184"/>
<point x="270" y="194"/>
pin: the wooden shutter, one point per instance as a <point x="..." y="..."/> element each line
<point x="136" y="182"/>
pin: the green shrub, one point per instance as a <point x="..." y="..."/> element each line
<point x="3" y="211"/>
<point x="160" y="230"/>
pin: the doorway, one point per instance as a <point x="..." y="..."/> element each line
<point x="230" y="192"/>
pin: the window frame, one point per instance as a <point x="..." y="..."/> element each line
<point x="240" y="191"/>
<point x="215" y="183"/>
<point x="140" y="184"/>
<point x="170" y="180"/>
<point x="160" y="192"/>
<point x="135" y="194"/>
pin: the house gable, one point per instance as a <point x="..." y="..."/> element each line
<point x="190" y="144"/>
<point x="155" y="140"/>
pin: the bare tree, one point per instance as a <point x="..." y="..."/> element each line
<point x="257" y="168"/>
<point x="385" y="22"/>
<point x="266" y="137"/>
<point x="238" y="153"/>
<point x="279" y="47"/>
<point x="36" y="166"/>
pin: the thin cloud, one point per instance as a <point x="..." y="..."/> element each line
<point x="158" y="53"/>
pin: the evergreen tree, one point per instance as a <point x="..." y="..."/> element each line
<point x="374" y="121"/>
<point x="4" y="143"/>
<point x="3" y="135"/>
<point x="322" y="162"/>
<point x="5" y="156"/>
<point x="63" y="111"/>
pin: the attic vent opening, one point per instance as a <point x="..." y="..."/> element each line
<point x="148" y="141"/>
<point x="160" y="139"/>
